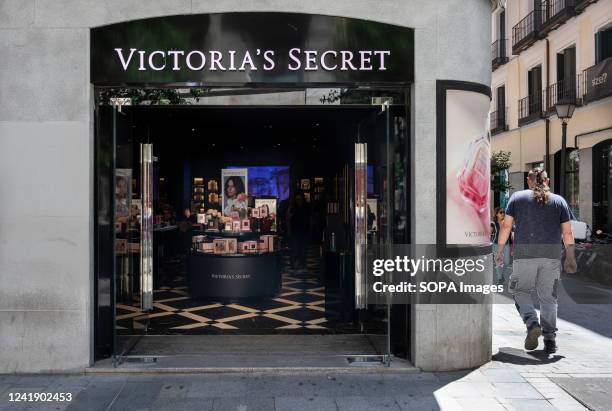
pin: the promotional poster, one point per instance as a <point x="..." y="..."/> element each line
<point x="235" y="190"/>
<point x="467" y="168"/>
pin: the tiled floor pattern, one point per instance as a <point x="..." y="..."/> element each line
<point x="300" y="307"/>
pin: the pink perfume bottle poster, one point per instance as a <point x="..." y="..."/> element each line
<point x="468" y="168"/>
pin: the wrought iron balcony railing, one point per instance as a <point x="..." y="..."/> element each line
<point x="556" y="12"/>
<point x="498" y="120"/>
<point x="564" y="91"/>
<point x="530" y="108"/>
<point x="499" y="53"/>
<point x="547" y="16"/>
<point x="525" y="32"/>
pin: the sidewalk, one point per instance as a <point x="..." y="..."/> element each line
<point x="514" y="380"/>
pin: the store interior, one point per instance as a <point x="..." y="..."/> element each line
<point x="272" y="257"/>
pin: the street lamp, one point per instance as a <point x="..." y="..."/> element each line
<point x="565" y="110"/>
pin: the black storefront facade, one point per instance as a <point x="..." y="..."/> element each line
<point x="270" y="52"/>
<point x="370" y="66"/>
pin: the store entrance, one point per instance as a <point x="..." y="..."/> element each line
<point x="247" y="223"/>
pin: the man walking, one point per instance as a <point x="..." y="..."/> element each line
<point x="541" y="219"/>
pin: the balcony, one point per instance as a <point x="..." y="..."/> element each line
<point x="499" y="55"/>
<point x="547" y="17"/>
<point x="526" y="32"/>
<point x="580" y="5"/>
<point x="530" y="109"/>
<point x="498" y="121"/>
<point x="555" y="13"/>
<point x="565" y="92"/>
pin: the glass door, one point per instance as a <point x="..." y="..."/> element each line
<point x="133" y="233"/>
<point x="373" y="167"/>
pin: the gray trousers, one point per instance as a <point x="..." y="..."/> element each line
<point x="540" y="275"/>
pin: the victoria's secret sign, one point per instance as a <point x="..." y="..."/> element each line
<point x="213" y="60"/>
<point x="249" y="48"/>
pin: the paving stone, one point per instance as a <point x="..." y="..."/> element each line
<point x="417" y="403"/>
<point x="595" y="393"/>
<point x="97" y="396"/>
<point x="301" y="403"/>
<point x="174" y="390"/>
<point x="218" y="388"/>
<point x="529" y="405"/>
<point x="136" y="395"/>
<point x="488" y="404"/>
<point x="358" y="403"/>
<point x="503" y="375"/>
<point x="567" y="405"/>
<point x="467" y="389"/>
<point x="513" y="390"/>
<point x="183" y="404"/>
<point x="243" y="404"/>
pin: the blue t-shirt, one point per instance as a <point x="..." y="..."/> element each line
<point x="537" y="227"/>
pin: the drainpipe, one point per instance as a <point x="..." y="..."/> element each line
<point x="547" y="120"/>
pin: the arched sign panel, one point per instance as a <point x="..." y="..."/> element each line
<point x="244" y="48"/>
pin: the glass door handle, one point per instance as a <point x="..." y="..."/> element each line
<point x="146" y="227"/>
<point x="361" y="222"/>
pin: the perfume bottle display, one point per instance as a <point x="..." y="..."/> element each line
<point x="473" y="177"/>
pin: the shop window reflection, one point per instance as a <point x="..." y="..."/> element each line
<point x="602" y="185"/>
<point x="572" y="182"/>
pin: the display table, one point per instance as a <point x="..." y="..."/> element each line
<point x="234" y="276"/>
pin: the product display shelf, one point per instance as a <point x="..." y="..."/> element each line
<point x="198" y="195"/>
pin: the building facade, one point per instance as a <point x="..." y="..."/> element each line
<point x="49" y="289"/>
<point x="543" y="53"/>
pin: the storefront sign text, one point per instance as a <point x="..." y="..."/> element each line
<point x="213" y="60"/>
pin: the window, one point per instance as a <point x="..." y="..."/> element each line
<point x="603" y="44"/>
<point x="498" y="117"/>
<point x="502" y="25"/>
<point x="501" y="98"/>
<point x="534" y="89"/>
<point x="566" y="75"/>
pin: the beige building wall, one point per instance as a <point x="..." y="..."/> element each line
<point x="527" y="144"/>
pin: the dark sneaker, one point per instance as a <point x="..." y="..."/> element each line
<point x="550" y="346"/>
<point x="533" y="333"/>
